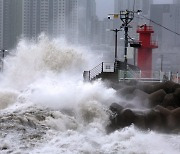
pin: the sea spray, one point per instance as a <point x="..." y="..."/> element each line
<point x="49" y="94"/>
<point x="7" y="98"/>
<point x="34" y="60"/>
<point x="51" y="110"/>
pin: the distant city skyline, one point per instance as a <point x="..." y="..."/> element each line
<point x="72" y="19"/>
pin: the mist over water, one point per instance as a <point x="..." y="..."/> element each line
<point x="45" y="107"/>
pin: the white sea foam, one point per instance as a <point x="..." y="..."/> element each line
<point x="45" y="107"/>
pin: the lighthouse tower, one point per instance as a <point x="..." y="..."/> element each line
<point x="144" y="60"/>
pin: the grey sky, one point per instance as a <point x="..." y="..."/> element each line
<point x="163" y="1"/>
<point x="104" y="7"/>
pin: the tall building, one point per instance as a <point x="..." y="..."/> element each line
<point x="82" y="15"/>
<point x="176" y="1"/>
<point x="1" y="24"/>
<point x="60" y="17"/>
<point x="91" y="19"/>
<point x="11" y="22"/>
<point x="37" y="17"/>
<point x="167" y="15"/>
<point x="73" y="21"/>
<point x="56" y="18"/>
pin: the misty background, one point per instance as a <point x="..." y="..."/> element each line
<point x="103" y="8"/>
<point x="85" y="23"/>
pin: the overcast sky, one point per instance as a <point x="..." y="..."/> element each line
<point x="104" y="7"/>
<point x="163" y="1"/>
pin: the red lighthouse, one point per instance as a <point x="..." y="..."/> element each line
<point x="145" y="51"/>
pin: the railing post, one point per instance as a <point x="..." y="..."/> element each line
<point x="169" y="77"/>
<point x="140" y="74"/>
<point x="114" y="66"/>
<point x="89" y="75"/>
<point x="177" y="77"/>
<point x="160" y="76"/>
<point x="102" y="66"/>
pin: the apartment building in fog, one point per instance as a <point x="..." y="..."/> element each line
<point x="56" y="18"/>
<point x="166" y="15"/>
<point x="1" y="24"/>
<point x="42" y="16"/>
<point x="11" y="22"/>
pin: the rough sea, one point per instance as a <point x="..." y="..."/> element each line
<point x="46" y="108"/>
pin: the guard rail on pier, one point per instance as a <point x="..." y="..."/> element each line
<point x="141" y="76"/>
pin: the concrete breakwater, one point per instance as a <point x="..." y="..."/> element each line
<point x="160" y="107"/>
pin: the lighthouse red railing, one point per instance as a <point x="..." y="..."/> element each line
<point x="145" y="28"/>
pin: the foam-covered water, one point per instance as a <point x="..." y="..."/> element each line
<point x="45" y="107"/>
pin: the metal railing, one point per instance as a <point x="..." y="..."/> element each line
<point x="149" y="76"/>
<point x="145" y="28"/>
<point x="96" y="71"/>
<point x="132" y="73"/>
<point x="154" y="43"/>
<point x="142" y="76"/>
<point x="102" y="67"/>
